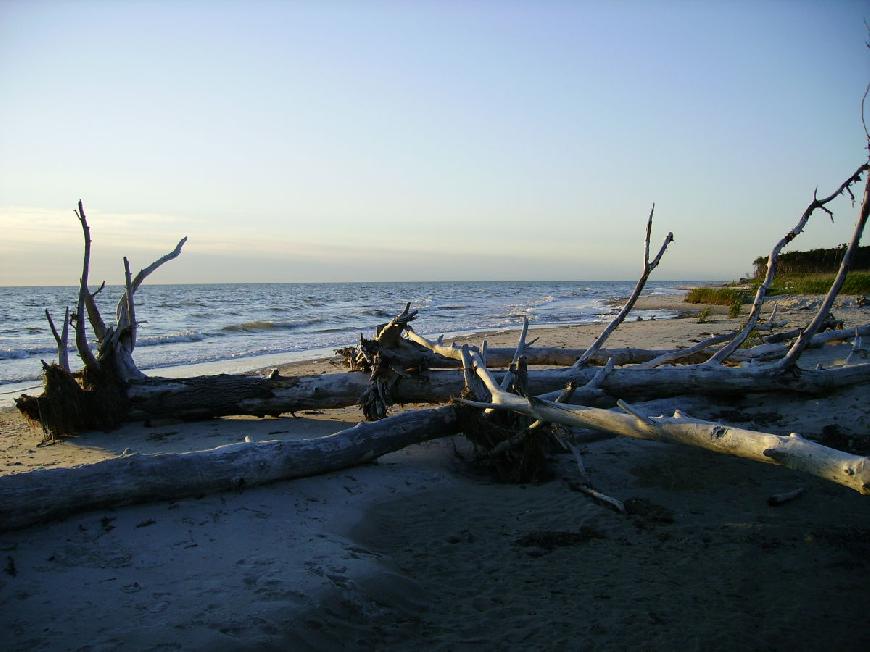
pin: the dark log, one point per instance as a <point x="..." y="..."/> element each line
<point x="205" y="397"/>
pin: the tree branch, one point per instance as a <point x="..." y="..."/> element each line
<point x="124" y="318"/>
<point x="804" y="339"/>
<point x="794" y="452"/>
<point x="648" y="267"/>
<point x="62" y="340"/>
<point x="94" y="316"/>
<point x="722" y="354"/>
<point x="82" y="346"/>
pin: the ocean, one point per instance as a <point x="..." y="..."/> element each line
<point x="192" y="329"/>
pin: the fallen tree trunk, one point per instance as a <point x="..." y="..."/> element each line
<point x="37" y="496"/>
<point x="794" y="452"/>
<point x="449" y="355"/>
<point x="206" y="397"/>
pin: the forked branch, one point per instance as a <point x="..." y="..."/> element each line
<point x="82" y="345"/>
<point x="126" y="326"/>
<point x="793" y="451"/>
<point x="648" y="267"/>
<point x="824" y="310"/>
<point x="61" y="339"/>
<point x="722" y="354"/>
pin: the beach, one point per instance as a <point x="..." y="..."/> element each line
<point x="418" y="550"/>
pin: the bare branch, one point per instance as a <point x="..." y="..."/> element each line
<point x="672" y="356"/>
<point x="145" y="272"/>
<point x="131" y="310"/>
<point x="122" y="313"/>
<point x="520" y="352"/>
<point x="722" y="354"/>
<point x="82" y="346"/>
<point x="94" y="316"/>
<point x="863" y="119"/>
<point x="806" y="336"/>
<point x="648" y="236"/>
<point x="648" y="267"/>
<point x="62" y="339"/>
<point x="794" y="452"/>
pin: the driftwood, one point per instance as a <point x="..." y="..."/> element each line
<point x="817" y="204"/>
<point x="648" y="267"/>
<point x="400" y="366"/>
<point x="793" y="451"/>
<point x="397" y="366"/>
<point x="29" y="498"/>
<point x="223" y="395"/>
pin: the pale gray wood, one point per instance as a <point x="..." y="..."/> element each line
<point x="825" y="308"/>
<point x="648" y="267"/>
<point x="36" y="496"/>
<point x="793" y="451"/>
<point x="773" y="258"/>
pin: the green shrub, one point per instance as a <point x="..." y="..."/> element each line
<point x="717" y="296"/>
<point x="734" y="307"/>
<point x="856" y="283"/>
<point x="704" y="315"/>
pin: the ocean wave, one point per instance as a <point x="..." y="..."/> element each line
<point x="265" y="325"/>
<point x="12" y="380"/>
<point x="377" y="312"/>
<point x="339" y="329"/>
<point x="170" y="338"/>
<point x="26" y="352"/>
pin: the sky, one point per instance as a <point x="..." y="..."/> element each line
<point x="379" y="141"/>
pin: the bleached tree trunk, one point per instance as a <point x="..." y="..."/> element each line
<point x="36" y="496"/>
<point x="794" y="452"/>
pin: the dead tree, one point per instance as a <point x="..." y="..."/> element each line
<point x="29" y="498"/>
<point x="793" y="451"/>
<point x="513" y="415"/>
<point x="397" y="366"/>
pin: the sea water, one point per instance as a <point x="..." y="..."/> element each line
<point x="187" y="329"/>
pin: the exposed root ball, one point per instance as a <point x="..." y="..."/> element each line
<point x="67" y="407"/>
<point x="506" y="449"/>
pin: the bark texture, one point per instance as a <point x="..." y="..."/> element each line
<point x="30" y="498"/>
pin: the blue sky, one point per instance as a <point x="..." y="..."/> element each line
<point x="340" y="141"/>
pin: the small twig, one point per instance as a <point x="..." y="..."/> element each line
<point x="781" y="499"/>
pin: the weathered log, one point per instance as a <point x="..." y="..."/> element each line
<point x="29" y="498"/>
<point x="205" y="397"/>
<point x="442" y="355"/>
<point x="794" y="452"/>
<point x="446" y="356"/>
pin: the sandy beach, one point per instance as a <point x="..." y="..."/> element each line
<point x="418" y="551"/>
